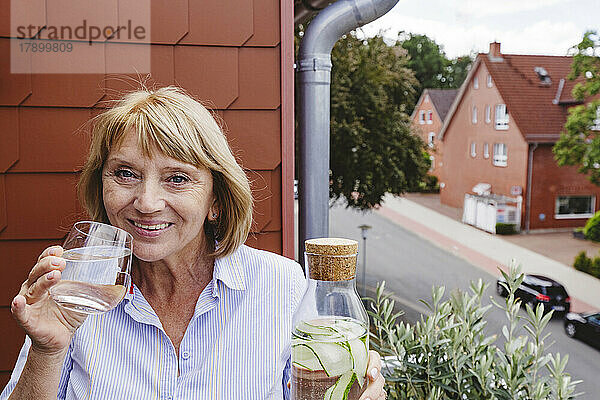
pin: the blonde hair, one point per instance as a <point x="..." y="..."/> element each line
<point x="171" y="121"/>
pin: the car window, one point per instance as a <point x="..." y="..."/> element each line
<point x="554" y="291"/>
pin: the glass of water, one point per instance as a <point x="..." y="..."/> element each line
<point x="98" y="269"/>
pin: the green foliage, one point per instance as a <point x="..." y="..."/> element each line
<point x="591" y="230"/>
<point x="432" y="68"/>
<point x="372" y="149"/>
<point x="505" y="229"/>
<point x="582" y="262"/>
<point x="579" y="144"/>
<point x="587" y="264"/>
<point x="447" y="355"/>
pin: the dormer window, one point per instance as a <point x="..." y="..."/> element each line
<point x="475" y="83"/>
<point x="490" y="83"/>
<point x="543" y="75"/>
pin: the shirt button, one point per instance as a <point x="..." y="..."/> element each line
<point x="169" y="397"/>
<point x="185" y="355"/>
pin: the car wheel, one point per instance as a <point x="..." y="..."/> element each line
<point x="570" y="329"/>
<point x="500" y="290"/>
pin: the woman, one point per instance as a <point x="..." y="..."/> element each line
<point x="206" y="317"/>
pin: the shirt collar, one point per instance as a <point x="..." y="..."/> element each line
<point x="230" y="271"/>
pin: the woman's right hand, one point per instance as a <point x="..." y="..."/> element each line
<point x="49" y="326"/>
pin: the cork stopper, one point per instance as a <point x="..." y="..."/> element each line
<point x="331" y="259"/>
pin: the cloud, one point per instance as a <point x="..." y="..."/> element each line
<point x="485" y="8"/>
<point x="541" y="37"/>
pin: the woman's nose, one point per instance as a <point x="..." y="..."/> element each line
<point x="149" y="198"/>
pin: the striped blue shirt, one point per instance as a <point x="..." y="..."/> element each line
<point x="237" y="345"/>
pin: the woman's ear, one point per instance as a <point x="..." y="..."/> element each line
<point x="213" y="212"/>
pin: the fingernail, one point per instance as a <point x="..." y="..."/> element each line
<point x="56" y="261"/>
<point x="50" y="275"/>
<point x="374" y="373"/>
<point x="53" y="252"/>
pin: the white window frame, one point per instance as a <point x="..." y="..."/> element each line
<point x="474" y="115"/>
<point x="473" y="149"/>
<point x="486" y="150"/>
<point x="476" y="82"/>
<point x="488" y="114"/>
<point x="421" y="117"/>
<point x="432" y="164"/>
<point x="501" y="117"/>
<point x="429" y="117"/>
<point x="500" y="158"/>
<point x="589" y="214"/>
<point x="490" y="83"/>
<point x="431" y="139"/>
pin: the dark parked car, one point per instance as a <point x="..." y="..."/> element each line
<point x="536" y="289"/>
<point x="584" y="326"/>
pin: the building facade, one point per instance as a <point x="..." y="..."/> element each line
<point x="500" y="131"/>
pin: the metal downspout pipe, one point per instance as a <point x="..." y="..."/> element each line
<point x="314" y="77"/>
<point x="532" y="148"/>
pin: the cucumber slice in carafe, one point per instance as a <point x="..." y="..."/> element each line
<point x="340" y="390"/>
<point x="333" y="357"/>
<point x="360" y="355"/>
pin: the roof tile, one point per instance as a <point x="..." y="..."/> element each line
<point x="18" y="258"/>
<point x="270" y="241"/>
<point x="39" y="206"/>
<point x="66" y="90"/>
<point x="169" y="21"/>
<point x="9" y="139"/>
<point x="52" y="140"/>
<point x="3" y="209"/>
<point x="254" y="136"/>
<point x="442" y="100"/>
<point x="15" y="87"/>
<point x="528" y="100"/>
<point x="75" y="14"/>
<point x="208" y="73"/>
<point x="12" y="338"/>
<point x="266" y="23"/>
<point x="21" y="13"/>
<point x="225" y="22"/>
<point x="259" y="78"/>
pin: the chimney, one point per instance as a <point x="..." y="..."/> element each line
<point x="494" y="54"/>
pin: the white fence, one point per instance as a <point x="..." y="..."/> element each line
<point x="484" y="212"/>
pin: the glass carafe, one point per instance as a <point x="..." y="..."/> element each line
<point x="330" y="337"/>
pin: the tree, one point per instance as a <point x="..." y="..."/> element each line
<point x="579" y="143"/>
<point x="430" y="64"/>
<point x="372" y="149"/>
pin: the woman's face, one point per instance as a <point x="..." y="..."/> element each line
<point x="161" y="201"/>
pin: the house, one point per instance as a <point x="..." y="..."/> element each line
<point x="427" y="119"/>
<point x="500" y="131"/>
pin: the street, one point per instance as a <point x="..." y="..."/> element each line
<point x="411" y="266"/>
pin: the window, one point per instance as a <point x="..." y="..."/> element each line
<point x="574" y="207"/>
<point x="432" y="164"/>
<point x="431" y="139"/>
<point x="486" y="150"/>
<point x="426" y="98"/>
<point x="488" y="116"/>
<point x="501" y="122"/>
<point x="430" y="117"/>
<point x="421" y="117"/>
<point x="476" y="83"/>
<point x="474" y="116"/>
<point x="489" y="81"/>
<point x="473" y="149"/>
<point x="500" y="155"/>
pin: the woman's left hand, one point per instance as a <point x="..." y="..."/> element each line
<point x="376" y="381"/>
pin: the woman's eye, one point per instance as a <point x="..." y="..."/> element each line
<point x="179" y="179"/>
<point x="124" y="174"/>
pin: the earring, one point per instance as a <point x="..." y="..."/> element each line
<point x="215" y="215"/>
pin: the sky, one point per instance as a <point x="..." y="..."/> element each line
<point x="549" y="27"/>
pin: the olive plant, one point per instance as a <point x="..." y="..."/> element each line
<point x="448" y="355"/>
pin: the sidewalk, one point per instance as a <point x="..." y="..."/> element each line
<point x="488" y="251"/>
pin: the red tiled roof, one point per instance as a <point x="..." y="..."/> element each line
<point x="528" y="100"/>
<point x="442" y="100"/>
